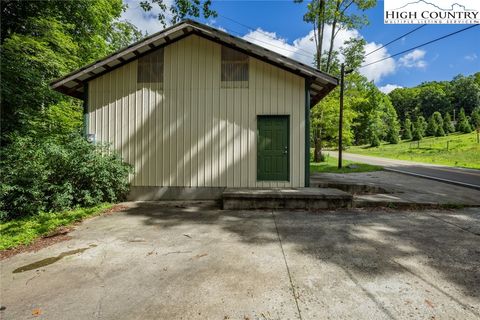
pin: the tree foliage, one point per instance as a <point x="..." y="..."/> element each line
<point x="338" y="15"/>
<point x="475" y="118"/>
<point x="42" y="40"/>
<point x="432" y="97"/>
<point x="431" y="127"/>
<point x="463" y="125"/>
<point x="375" y="119"/>
<point x="417" y="133"/>
<point x="437" y="117"/>
<point x="444" y="97"/>
<point x="448" y="126"/>
<point x="465" y="93"/>
<point x="407" y="129"/>
<point x="177" y="10"/>
<point x="58" y="174"/>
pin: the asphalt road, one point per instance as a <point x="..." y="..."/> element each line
<point x="459" y="176"/>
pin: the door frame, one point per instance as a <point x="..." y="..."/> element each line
<point x="285" y="116"/>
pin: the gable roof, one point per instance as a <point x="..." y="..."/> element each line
<point x="72" y="84"/>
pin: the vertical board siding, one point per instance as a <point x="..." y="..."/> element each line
<point x="189" y="131"/>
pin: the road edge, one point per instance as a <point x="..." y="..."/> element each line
<point x="461" y="184"/>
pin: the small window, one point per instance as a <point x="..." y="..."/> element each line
<point x="150" y="67"/>
<point x="234" y="68"/>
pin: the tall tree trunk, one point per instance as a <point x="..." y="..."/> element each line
<point x="317" y="140"/>
<point x="320" y="27"/>
<point x="317" y="137"/>
<point x="333" y="35"/>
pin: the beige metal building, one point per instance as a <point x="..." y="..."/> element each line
<point x="195" y="110"/>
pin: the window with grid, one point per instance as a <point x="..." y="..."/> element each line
<point x="234" y="68"/>
<point x="150" y="67"/>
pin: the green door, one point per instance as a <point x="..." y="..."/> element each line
<point x="273" y="148"/>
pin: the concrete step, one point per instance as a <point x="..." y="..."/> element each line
<point x="350" y="187"/>
<point x="285" y="198"/>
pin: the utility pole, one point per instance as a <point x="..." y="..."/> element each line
<point x="340" y="120"/>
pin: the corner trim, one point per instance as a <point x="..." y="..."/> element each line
<point x="307" y="133"/>
<point x="85" y="109"/>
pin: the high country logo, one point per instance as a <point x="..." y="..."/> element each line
<point x="432" y="12"/>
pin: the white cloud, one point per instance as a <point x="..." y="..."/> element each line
<point x="144" y="21"/>
<point x="413" y="59"/>
<point x="471" y="57"/>
<point x="389" y="88"/>
<point x="381" y="69"/>
<point x="302" y="49"/>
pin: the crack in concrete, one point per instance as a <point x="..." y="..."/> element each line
<point x="294" y="293"/>
<point x="102" y="284"/>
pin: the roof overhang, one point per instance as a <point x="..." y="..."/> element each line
<point x="72" y="84"/>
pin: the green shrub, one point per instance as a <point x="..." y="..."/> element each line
<point x="475" y="118"/>
<point x="58" y="174"/>
<point x="375" y="141"/>
<point x="407" y="129"/>
<point x="437" y="116"/>
<point x="448" y="126"/>
<point x="431" y="127"/>
<point x="463" y="125"/>
<point x="392" y="135"/>
<point x="417" y="133"/>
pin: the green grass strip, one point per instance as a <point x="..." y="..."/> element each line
<point x="457" y="150"/>
<point x="331" y="166"/>
<point x="25" y="230"/>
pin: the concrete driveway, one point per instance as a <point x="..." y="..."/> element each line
<point x="154" y="262"/>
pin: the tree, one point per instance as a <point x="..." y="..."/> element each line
<point x="431" y="98"/>
<point x="437" y="117"/>
<point x="324" y="117"/>
<point x="374" y="140"/>
<point x="448" y="126"/>
<point x="475" y="118"/>
<point x="417" y="133"/>
<point x="353" y="51"/>
<point x="465" y="93"/>
<point x="322" y="123"/>
<point x="405" y="101"/>
<point x="42" y="40"/>
<point x="431" y="127"/>
<point x="477" y="78"/>
<point x="390" y="120"/>
<point x="177" y="10"/>
<point x="463" y="125"/>
<point x="371" y="117"/>
<point x="422" y="125"/>
<point x="407" y="129"/>
<point x="338" y="15"/>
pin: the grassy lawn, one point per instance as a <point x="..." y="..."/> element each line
<point x="26" y="230"/>
<point x="463" y="150"/>
<point x="331" y="165"/>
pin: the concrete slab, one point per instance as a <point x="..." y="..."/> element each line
<point x="402" y="188"/>
<point x="154" y="261"/>
<point x="382" y="266"/>
<point x="285" y="198"/>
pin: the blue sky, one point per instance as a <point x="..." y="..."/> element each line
<point x="279" y="26"/>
